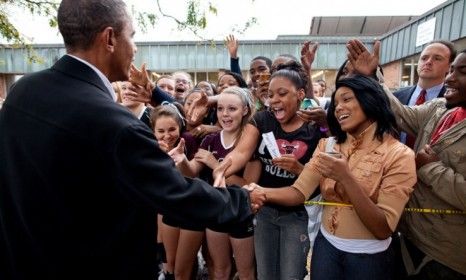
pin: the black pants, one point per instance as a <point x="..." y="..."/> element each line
<point x="433" y="270"/>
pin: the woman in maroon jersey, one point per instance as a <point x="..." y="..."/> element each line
<point x="234" y="109"/>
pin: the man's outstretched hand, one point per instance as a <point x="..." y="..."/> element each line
<point x="257" y="196"/>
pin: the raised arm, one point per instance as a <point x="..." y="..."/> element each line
<point x="409" y="119"/>
<point x="363" y="61"/>
<point x="232" y="46"/>
<point x="308" y="53"/>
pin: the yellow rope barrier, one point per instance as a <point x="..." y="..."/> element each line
<point x="416" y="210"/>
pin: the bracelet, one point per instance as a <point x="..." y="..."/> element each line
<point x="323" y="129"/>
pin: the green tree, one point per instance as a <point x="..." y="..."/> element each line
<point x="34" y="7"/>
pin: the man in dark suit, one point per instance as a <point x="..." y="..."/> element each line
<point x="81" y="178"/>
<point x="432" y="67"/>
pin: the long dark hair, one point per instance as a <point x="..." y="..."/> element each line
<point x="374" y="103"/>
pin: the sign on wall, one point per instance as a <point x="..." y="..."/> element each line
<point x="425" y="32"/>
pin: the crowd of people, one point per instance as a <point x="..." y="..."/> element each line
<point x="108" y="171"/>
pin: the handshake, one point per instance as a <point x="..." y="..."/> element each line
<point x="257" y="196"/>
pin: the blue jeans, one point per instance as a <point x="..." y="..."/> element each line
<point x="281" y="244"/>
<point x="330" y="263"/>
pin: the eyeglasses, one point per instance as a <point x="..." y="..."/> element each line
<point x="184" y="82"/>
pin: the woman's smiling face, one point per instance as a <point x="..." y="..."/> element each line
<point x="349" y="113"/>
<point x="284" y="99"/>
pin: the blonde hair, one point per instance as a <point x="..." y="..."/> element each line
<point x="247" y="100"/>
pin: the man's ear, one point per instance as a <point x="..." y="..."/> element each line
<point x="108" y="37"/>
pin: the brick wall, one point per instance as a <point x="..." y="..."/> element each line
<point x="392" y="74"/>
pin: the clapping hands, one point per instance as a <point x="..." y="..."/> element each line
<point x="308" y="53"/>
<point x="363" y="61"/>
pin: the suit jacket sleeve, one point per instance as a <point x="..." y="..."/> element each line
<point x="149" y="177"/>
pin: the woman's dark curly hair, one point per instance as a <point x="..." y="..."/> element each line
<point x="373" y="101"/>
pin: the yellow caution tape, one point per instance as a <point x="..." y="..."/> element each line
<point x="416" y="210"/>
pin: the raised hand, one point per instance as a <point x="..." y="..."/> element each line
<point x="219" y="174"/>
<point x="363" y="62"/>
<point x="206" y="158"/>
<point x="288" y="163"/>
<point x="232" y="46"/>
<point x="139" y="94"/>
<point x="256" y="195"/>
<point x="198" y="107"/>
<point x="177" y="153"/>
<point x="308" y="53"/>
<point x="140" y="77"/>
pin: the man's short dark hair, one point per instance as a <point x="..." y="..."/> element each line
<point x="79" y="21"/>
<point x="447" y="44"/>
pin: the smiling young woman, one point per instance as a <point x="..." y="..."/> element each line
<point x="374" y="175"/>
<point x="280" y="237"/>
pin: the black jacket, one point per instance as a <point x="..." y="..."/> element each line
<point x="81" y="181"/>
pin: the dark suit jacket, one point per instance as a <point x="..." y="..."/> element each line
<point x="81" y="180"/>
<point x="145" y="118"/>
<point x="404" y="94"/>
